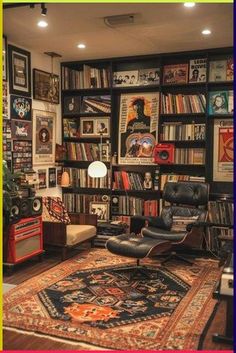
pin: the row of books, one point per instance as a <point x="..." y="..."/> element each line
<point x="80" y="203"/>
<point x="221" y="212"/>
<point x="180" y="103"/>
<point x="179" y="177"/>
<point x="87" y="151"/>
<point x="128" y="181"/>
<point x="79" y="178"/>
<point x="182" y="132"/>
<point x="88" y="77"/>
<point x="189" y="156"/>
<point x="132" y="206"/>
<point x="213" y="242"/>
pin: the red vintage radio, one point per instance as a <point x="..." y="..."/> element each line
<point x="25" y="239"/>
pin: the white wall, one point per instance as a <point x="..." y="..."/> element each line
<point x="43" y="62"/>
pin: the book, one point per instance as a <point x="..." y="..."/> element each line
<point x="174" y="74"/>
<point x="183" y="103"/>
<point x="197" y="70"/>
<point x="217" y="70"/>
<point x="221" y="102"/>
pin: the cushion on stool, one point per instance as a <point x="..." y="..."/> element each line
<point x="163" y="234"/>
<point x="133" y="246"/>
<point x="79" y="233"/>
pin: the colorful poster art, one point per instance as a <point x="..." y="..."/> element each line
<point x="43" y="137"/>
<point x="223" y="150"/>
<point x="20" y="107"/>
<point x="138" y="127"/>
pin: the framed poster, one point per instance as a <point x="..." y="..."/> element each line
<point x="42" y="176"/>
<point x="223" y="152"/>
<point x="4" y="58"/>
<point x="51" y="177"/>
<point x="20" y="107"/>
<point x="21" y="130"/>
<point x="43" y="137"/>
<point x="45" y="86"/>
<point x="71" y="105"/>
<point x="96" y="104"/>
<point x="101" y="209"/>
<point x="138" y="127"/>
<point x="95" y="127"/>
<point x="19" y="71"/>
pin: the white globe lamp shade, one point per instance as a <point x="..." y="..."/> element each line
<point x="97" y="169"/>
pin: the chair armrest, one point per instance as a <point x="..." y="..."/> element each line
<point x="138" y="222"/>
<point x="83" y="218"/>
<point x="54" y="233"/>
<point x="207" y="224"/>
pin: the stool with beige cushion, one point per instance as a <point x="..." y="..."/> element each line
<point x="63" y="230"/>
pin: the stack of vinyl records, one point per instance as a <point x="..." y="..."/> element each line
<point x="107" y="230"/>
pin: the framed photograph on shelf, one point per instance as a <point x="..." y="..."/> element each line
<point x="19" y="71"/>
<point x="51" y="177"/>
<point x="175" y="74"/>
<point x="71" y="105"/>
<point x="42" y="176"/>
<point x="45" y="86"/>
<point x="101" y="209"/>
<point x="94" y="127"/>
<point x="4" y="58"/>
<point x="43" y="137"/>
<point x="223" y="151"/>
<point x="96" y="104"/>
<point x="21" y="107"/>
<point x="21" y="130"/>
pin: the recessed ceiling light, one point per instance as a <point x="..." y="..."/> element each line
<point x="81" y="46"/>
<point x="189" y="4"/>
<point x="42" y="24"/>
<point x="206" y="32"/>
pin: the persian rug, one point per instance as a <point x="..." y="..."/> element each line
<point x="90" y="298"/>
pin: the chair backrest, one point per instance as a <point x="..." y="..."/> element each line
<point x="54" y="210"/>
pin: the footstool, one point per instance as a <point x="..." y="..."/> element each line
<point x="130" y="245"/>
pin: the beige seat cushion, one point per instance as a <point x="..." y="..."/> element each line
<point x="78" y="233"/>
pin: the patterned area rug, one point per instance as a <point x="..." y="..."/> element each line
<point x="91" y="299"/>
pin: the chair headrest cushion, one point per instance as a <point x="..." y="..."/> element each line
<point x="186" y="193"/>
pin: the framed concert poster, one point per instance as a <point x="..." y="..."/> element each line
<point x="20" y="107"/>
<point x="223" y="152"/>
<point x="4" y="58"/>
<point x="45" y="86"/>
<point x="43" y="137"/>
<point x="51" y="177"/>
<point x="21" y="129"/>
<point x="19" y="71"/>
<point x="138" y="120"/>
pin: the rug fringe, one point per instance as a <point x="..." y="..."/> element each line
<point x="83" y="346"/>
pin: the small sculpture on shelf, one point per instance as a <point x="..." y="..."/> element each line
<point x="147" y="184"/>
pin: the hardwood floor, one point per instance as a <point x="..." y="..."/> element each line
<point x="17" y="341"/>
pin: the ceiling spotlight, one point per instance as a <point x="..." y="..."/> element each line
<point x="81" y="46"/>
<point x="42" y="24"/>
<point x="189" y="4"/>
<point x="43" y="10"/>
<point x="206" y="32"/>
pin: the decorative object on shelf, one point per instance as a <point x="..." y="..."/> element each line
<point x="221" y="102"/>
<point x="45" y="86"/>
<point x="65" y="179"/>
<point x="43" y="137"/>
<point x="98" y="169"/>
<point x="101" y="209"/>
<point x="164" y="153"/>
<point x="21" y="130"/>
<point x="138" y="127"/>
<point x="175" y="74"/>
<point x="20" y="107"/>
<point x="94" y="127"/>
<point x="147" y="184"/>
<point x="19" y="71"/>
<point x="197" y="70"/>
<point x="42" y="176"/>
<point x="4" y="58"/>
<point x="96" y="104"/>
<point x="51" y="177"/>
<point x="71" y="105"/>
<point x="223" y="150"/>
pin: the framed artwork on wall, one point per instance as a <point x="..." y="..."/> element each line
<point x="20" y="107"/>
<point x="43" y="137"/>
<point x="19" y="71"/>
<point x="71" y="105"/>
<point x="45" y="86"/>
<point x="4" y="58"/>
<point x="101" y="209"/>
<point x="21" y="130"/>
<point x="51" y="177"/>
<point x="42" y="176"/>
<point x="94" y="127"/>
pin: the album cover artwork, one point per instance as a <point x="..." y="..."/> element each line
<point x="21" y="107"/>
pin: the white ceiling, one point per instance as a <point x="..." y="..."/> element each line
<point x="161" y="28"/>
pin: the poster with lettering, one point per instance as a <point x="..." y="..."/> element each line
<point x="197" y="70"/>
<point x="138" y="121"/>
<point x="223" y="150"/>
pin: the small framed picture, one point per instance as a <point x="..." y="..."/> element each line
<point x="21" y="107"/>
<point x="19" y="71"/>
<point x="71" y="105"/>
<point x="51" y="177"/>
<point x="42" y="176"/>
<point x="4" y="58"/>
<point x="45" y="86"/>
<point x="21" y="130"/>
<point x="95" y="127"/>
<point x="101" y="209"/>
